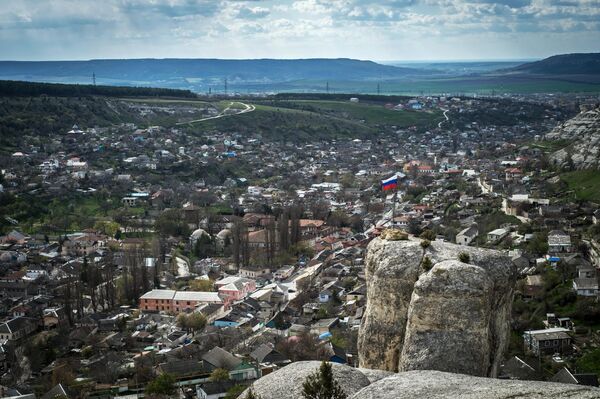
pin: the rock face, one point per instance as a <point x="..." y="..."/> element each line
<point x="287" y="382"/>
<point x="376" y="384"/>
<point x="453" y="317"/>
<point x="584" y="132"/>
<point x="440" y="385"/>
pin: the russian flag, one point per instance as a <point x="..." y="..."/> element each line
<point x="390" y="183"/>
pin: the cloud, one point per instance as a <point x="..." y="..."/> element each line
<point x="379" y="29"/>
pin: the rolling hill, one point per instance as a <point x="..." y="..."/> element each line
<point x="199" y="72"/>
<point x="563" y="64"/>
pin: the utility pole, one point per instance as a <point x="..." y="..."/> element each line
<point x="378" y="89"/>
<point x="94" y="78"/>
<point x="225" y="85"/>
<point x="327" y="87"/>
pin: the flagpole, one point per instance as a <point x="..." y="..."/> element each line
<point x="394" y="206"/>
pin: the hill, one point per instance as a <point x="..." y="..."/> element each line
<point x="563" y="64"/>
<point x="199" y="72"/>
<point x="11" y="88"/>
<point x="583" y="132"/>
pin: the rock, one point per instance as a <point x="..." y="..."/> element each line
<point x="375" y="375"/>
<point x="287" y="382"/>
<point x="391" y="270"/>
<point x="441" y="385"/>
<point x="584" y="132"/>
<point x="394" y="235"/>
<point x="453" y="317"/>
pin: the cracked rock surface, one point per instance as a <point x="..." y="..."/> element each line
<point x="453" y="317"/>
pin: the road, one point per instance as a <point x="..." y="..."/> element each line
<point x="224" y="113"/>
<point x="445" y="116"/>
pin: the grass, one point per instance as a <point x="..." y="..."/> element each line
<point x="549" y="146"/>
<point x="585" y="184"/>
<point x="369" y="113"/>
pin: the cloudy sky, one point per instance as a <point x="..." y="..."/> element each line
<point x="365" y="29"/>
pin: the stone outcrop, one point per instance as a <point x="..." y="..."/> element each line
<point x="583" y="131"/>
<point x="453" y="317"/>
<point x="440" y="385"/>
<point x="287" y="382"/>
<point x="376" y="384"/>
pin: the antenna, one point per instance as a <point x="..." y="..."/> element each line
<point x="94" y="78"/>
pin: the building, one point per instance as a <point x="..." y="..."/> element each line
<point x="466" y="236"/>
<point x="548" y="341"/>
<point x="559" y="242"/>
<point x="176" y="301"/>
<point x="497" y="235"/>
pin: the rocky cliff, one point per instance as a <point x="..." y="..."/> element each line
<point x="453" y="317"/>
<point x="373" y="384"/>
<point x="584" y="132"/>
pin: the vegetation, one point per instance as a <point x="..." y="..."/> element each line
<point x="585" y="184"/>
<point x="464" y="257"/>
<point x="426" y="263"/>
<point x="163" y="385"/>
<point x="12" y="88"/>
<point x="322" y="385"/>
<point x="193" y="322"/>
<point x="219" y="375"/>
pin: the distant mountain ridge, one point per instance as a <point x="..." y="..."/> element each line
<point x="563" y="64"/>
<point x="163" y="71"/>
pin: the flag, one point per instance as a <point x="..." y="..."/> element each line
<point x="390" y="183"/>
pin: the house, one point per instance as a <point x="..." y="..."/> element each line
<point x="534" y="286"/>
<point x="266" y="354"/>
<point x="516" y="369"/>
<point x="565" y="376"/>
<point x="559" y="242"/>
<point x="466" y="236"/>
<point x="235" y="288"/>
<point x="17" y="328"/>
<point x="219" y="358"/>
<point x="497" y="235"/>
<point x="323" y="325"/>
<point x="586" y="286"/>
<point x="214" y="389"/>
<point x="548" y="341"/>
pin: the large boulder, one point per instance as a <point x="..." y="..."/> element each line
<point x="287" y="382"/>
<point x="440" y="385"/>
<point x="453" y="317"/>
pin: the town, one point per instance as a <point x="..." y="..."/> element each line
<point x="130" y="253"/>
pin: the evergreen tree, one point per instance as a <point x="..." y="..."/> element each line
<point x="322" y="385"/>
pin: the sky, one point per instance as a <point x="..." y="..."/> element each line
<point x="364" y="29"/>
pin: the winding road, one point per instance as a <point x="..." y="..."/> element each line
<point x="445" y="116"/>
<point x="224" y="113"/>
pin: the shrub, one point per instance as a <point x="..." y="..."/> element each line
<point x="427" y="263"/>
<point x="425" y="244"/>
<point x="322" y="385"/>
<point x="464" y="257"/>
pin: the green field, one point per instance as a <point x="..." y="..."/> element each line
<point x="309" y="120"/>
<point x="585" y="184"/>
<point x="431" y="86"/>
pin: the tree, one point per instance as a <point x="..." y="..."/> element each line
<point x="202" y="285"/>
<point x="236" y="392"/>
<point x="219" y="375"/>
<point x="163" y="385"/>
<point x="322" y="385"/>
<point x="193" y="322"/>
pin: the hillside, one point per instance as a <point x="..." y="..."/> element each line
<point x="583" y="132"/>
<point x="198" y="72"/>
<point x="563" y="64"/>
<point x="12" y="88"/>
